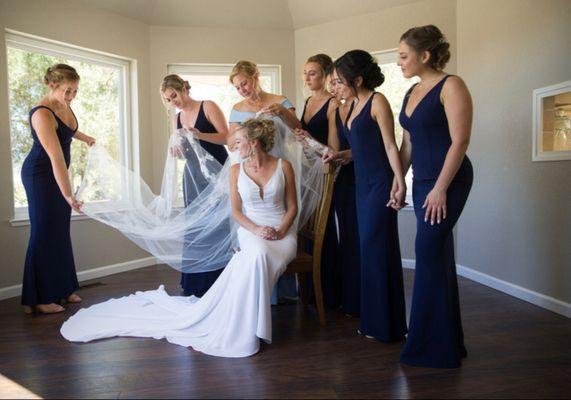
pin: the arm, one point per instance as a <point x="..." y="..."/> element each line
<point x="89" y="140"/>
<point x="290" y="200"/>
<point x="382" y="113"/>
<point x="286" y="114"/>
<point x="332" y="135"/>
<point x="216" y="117"/>
<point x="405" y="152"/>
<point x="45" y="126"/>
<point x="458" y="107"/>
<point x="232" y="131"/>
<point x="289" y="118"/>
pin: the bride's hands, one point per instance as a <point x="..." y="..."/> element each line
<point x="268" y="233"/>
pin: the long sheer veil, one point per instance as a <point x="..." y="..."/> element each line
<point x="201" y="235"/>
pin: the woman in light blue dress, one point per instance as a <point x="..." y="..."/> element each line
<point x="245" y="78"/>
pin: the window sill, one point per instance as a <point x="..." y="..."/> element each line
<point x="25" y="221"/>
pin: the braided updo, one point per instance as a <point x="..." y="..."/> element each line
<point x="59" y="73"/>
<point x="262" y="130"/>
<point x="429" y="38"/>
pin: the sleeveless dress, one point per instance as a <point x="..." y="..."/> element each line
<point x="198" y="283"/>
<point x="287" y="285"/>
<point x="436" y="337"/>
<point x="383" y="313"/>
<point x="233" y="314"/>
<point x="348" y="256"/>
<point x="49" y="272"/>
<point x="318" y="127"/>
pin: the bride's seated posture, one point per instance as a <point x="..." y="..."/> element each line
<point x="235" y="313"/>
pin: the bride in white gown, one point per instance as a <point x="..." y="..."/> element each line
<point x="231" y="318"/>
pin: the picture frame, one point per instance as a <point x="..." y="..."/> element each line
<point x="552" y="123"/>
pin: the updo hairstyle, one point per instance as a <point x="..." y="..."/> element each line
<point x="59" y="73"/>
<point x="262" y="130"/>
<point x="359" y="63"/>
<point x="429" y="38"/>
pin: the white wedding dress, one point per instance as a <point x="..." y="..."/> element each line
<point x="232" y="317"/>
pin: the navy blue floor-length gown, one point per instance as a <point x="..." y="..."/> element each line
<point x="318" y="127"/>
<point x="348" y="257"/>
<point x="49" y="271"/>
<point x="383" y="314"/>
<point x="435" y="337"/>
<point x="198" y="283"/>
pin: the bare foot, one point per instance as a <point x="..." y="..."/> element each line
<point x="73" y="298"/>
<point x="51" y="308"/>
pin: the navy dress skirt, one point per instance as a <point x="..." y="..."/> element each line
<point x="383" y="314"/>
<point x="49" y="272"/>
<point x="348" y="257"/>
<point x="435" y="338"/>
<point x="198" y="283"/>
<point x="331" y="280"/>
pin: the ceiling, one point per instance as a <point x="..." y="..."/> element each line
<point x="255" y="14"/>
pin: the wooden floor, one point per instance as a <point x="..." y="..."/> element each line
<point x="515" y="350"/>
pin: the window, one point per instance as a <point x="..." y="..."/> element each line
<point x="101" y="106"/>
<point x="210" y="82"/>
<point x="394" y="88"/>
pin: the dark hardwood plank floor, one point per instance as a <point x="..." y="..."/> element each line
<point x="516" y="350"/>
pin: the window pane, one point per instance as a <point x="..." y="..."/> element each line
<point x="97" y="108"/>
<point x="217" y="88"/>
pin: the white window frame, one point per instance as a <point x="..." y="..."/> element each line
<point x="127" y="95"/>
<point x="274" y="70"/>
<point x="218" y="69"/>
<point x="386" y="57"/>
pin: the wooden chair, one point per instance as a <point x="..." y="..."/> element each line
<point x="314" y="230"/>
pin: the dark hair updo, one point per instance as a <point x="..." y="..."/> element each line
<point x="429" y="38"/>
<point x="359" y="63"/>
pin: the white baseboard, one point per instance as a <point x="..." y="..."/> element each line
<point x="538" y="299"/>
<point x="94" y="273"/>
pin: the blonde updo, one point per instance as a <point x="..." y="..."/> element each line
<point x="262" y="130"/>
<point x="175" y="83"/>
<point x="59" y="73"/>
<point x="246" y="68"/>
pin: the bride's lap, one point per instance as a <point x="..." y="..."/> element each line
<point x="278" y="253"/>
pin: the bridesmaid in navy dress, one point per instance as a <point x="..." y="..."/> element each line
<point x="315" y="122"/>
<point x="348" y="256"/>
<point x="437" y="118"/>
<point x="208" y="124"/>
<point x="370" y="132"/>
<point x="49" y="272"/>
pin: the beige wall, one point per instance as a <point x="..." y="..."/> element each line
<point x="94" y="244"/>
<point x="376" y="32"/>
<point x="211" y="45"/>
<point x="516" y="226"/>
<point x="517" y="223"/>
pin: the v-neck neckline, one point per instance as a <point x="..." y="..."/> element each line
<point x="61" y="120"/>
<point x="262" y="189"/>
<point x="423" y="97"/>
<point x="195" y="120"/>
<point x="358" y="115"/>
<point x="318" y="111"/>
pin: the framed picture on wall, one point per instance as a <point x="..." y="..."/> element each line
<point x="552" y="123"/>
